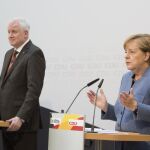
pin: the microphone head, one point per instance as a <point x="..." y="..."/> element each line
<point x="100" y="84"/>
<point x="92" y="82"/>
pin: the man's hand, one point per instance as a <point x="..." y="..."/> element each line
<point x="15" y="124"/>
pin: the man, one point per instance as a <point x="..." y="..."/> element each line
<point x="20" y="87"/>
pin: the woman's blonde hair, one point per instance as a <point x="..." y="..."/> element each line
<point x="142" y="39"/>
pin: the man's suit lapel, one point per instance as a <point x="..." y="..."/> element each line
<point x="20" y="56"/>
<point x="6" y="64"/>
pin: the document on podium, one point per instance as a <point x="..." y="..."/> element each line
<point x="99" y="130"/>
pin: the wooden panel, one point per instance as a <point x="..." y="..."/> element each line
<point x="4" y="124"/>
<point x="120" y="136"/>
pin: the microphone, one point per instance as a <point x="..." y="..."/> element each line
<point x="92" y="82"/>
<point x="99" y="86"/>
<point x="89" y="84"/>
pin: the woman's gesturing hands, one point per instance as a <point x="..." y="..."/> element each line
<point x="101" y="99"/>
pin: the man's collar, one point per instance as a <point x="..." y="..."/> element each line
<point x="21" y="47"/>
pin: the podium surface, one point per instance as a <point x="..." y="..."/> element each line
<point x="4" y="123"/>
<point x="119" y="136"/>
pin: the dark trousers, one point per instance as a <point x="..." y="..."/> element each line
<point x="20" y="140"/>
<point x="132" y="145"/>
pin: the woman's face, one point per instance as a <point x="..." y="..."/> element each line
<point x="135" y="58"/>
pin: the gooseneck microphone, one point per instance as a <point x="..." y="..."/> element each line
<point x="92" y="82"/>
<point x="89" y="84"/>
<point x="99" y="86"/>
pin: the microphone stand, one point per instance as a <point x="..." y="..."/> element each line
<point x="75" y="98"/>
<point x="92" y="128"/>
<point x="99" y="86"/>
<point x="89" y="84"/>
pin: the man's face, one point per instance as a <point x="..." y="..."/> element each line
<point x="17" y="35"/>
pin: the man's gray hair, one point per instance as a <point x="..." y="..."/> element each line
<point x="23" y="23"/>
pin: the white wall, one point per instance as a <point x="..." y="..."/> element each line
<point x="82" y="40"/>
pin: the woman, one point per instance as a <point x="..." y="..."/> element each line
<point x="132" y="109"/>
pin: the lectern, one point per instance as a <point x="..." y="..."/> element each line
<point x="118" y="136"/>
<point x="2" y="124"/>
<point x="66" y="132"/>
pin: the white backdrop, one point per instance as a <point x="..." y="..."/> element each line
<point x="82" y="40"/>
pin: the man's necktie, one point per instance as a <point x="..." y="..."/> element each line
<point x="13" y="59"/>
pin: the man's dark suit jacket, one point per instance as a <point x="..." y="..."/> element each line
<point x="21" y="88"/>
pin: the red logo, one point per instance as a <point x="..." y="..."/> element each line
<point x="72" y="123"/>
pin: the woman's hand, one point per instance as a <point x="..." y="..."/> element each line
<point x="128" y="100"/>
<point x="101" y="99"/>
